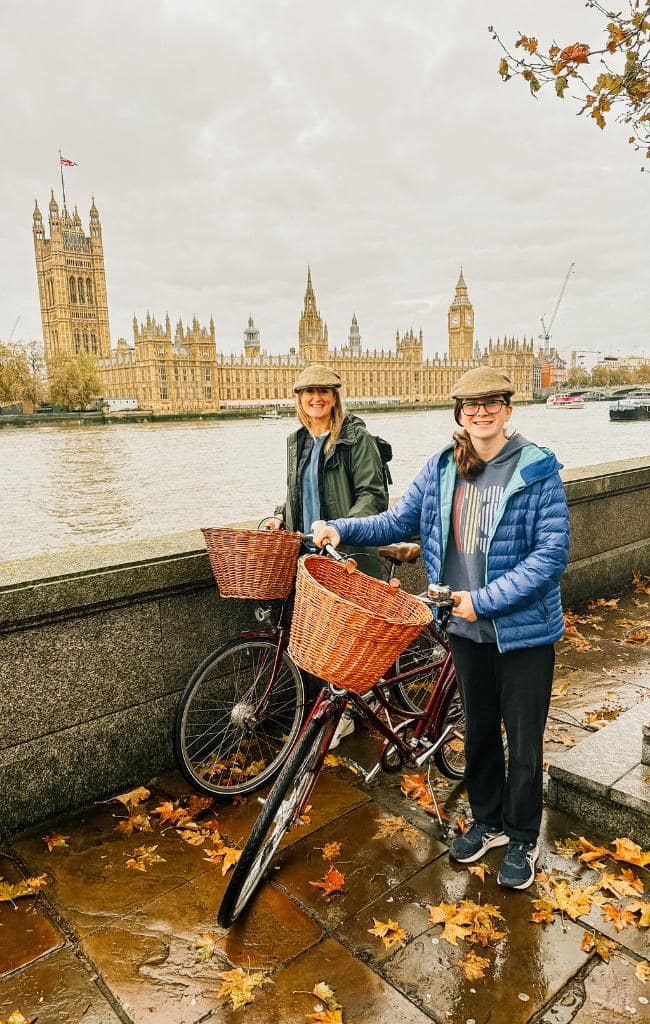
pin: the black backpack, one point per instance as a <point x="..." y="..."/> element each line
<point x="385" y="450"/>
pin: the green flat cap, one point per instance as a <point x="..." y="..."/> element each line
<point x="317" y="376"/>
<point x="481" y="381"/>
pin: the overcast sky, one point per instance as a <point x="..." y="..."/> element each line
<point x="229" y="144"/>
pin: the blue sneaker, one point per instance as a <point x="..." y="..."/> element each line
<point x="518" y="868"/>
<point x="474" y="843"/>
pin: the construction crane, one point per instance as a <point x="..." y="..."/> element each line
<point x="547" y="330"/>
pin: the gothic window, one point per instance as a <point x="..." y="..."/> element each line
<point x="86" y="349"/>
<point x="93" y="341"/>
<point x="207" y="392"/>
<point x="73" y="290"/>
<point x="164" y="394"/>
<point x="80" y="289"/>
<point x="89" y="292"/>
<point x="176" y="374"/>
<point x="77" y="342"/>
<point x="161" y="353"/>
<point x="208" y="376"/>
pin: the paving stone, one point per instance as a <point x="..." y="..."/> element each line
<point x="366" y="998"/>
<point x="57" y="989"/>
<point x="26" y="931"/>
<point x="632" y="789"/>
<point x="149" y="958"/>
<point x="610" y="994"/>
<point x="371" y="866"/>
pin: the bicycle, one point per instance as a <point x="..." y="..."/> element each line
<point x="245" y="704"/>
<point x="417" y="738"/>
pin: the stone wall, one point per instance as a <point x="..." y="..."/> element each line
<point x="95" y="644"/>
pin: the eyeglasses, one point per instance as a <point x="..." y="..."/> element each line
<point x="492" y="406"/>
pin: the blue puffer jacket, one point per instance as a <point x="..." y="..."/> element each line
<point x="528" y="545"/>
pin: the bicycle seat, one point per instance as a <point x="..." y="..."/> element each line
<point x="400" y="553"/>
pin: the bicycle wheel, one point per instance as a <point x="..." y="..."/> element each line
<point x="278" y="814"/>
<point x="426" y="651"/>
<point x="449" y="758"/>
<point x="225" y="743"/>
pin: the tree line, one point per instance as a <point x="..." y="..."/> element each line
<point x="72" y="381"/>
<point x="608" y="376"/>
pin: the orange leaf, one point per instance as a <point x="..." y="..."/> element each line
<point x="238" y="985"/>
<point x="543" y="913"/>
<point x="134" y="823"/>
<point x="578" y="53"/>
<point x="53" y="840"/>
<point x="598" y="944"/>
<point x="143" y="857"/>
<point x="327" y="1016"/>
<point x="390" y="933"/>
<point x="591" y="853"/>
<point x="331" y="851"/>
<point x="630" y="853"/>
<point x="473" y="966"/>
<point x="167" y="811"/>
<point x="479" y="869"/>
<point x="619" y="918"/>
<point x="642" y="971"/>
<point x="133" y="797"/>
<point x="332" y="882"/>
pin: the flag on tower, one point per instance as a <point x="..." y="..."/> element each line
<point x="65" y="162"/>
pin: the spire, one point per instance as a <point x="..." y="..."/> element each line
<point x="461" y="281"/>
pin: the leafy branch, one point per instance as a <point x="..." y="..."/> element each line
<point x="614" y="78"/>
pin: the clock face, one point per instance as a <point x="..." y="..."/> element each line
<point x="455" y="319"/>
<point x="468" y="319"/>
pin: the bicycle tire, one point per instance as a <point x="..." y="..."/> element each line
<point x="220" y="747"/>
<point x="424" y="650"/>
<point x="449" y="758"/>
<point x="279" y="808"/>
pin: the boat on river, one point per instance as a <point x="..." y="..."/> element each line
<point x="630" y="409"/>
<point x="565" y="402"/>
<point x="272" y="415"/>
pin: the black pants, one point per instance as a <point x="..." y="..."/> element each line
<point x="514" y="687"/>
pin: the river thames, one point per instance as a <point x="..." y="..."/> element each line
<point x="72" y="484"/>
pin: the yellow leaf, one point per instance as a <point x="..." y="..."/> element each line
<point x="205" y="946"/>
<point x="331" y="851"/>
<point x="503" y="67"/>
<point x="333" y="761"/>
<point x="591" y="853"/>
<point x="619" y="918"/>
<point x="54" y="840"/>
<point x="630" y="853"/>
<point x="598" y="944"/>
<point x="390" y="933"/>
<point x="392" y="824"/>
<point x="327" y="1016"/>
<point x="192" y="837"/>
<point x="238" y="985"/>
<point x="642" y="971"/>
<point x="326" y="995"/>
<point x="543" y="913"/>
<point x="641" y="908"/>
<point x="479" y="869"/>
<point x="143" y="857"/>
<point x="134" y="823"/>
<point x="473" y="966"/>
<point x="133" y="797"/>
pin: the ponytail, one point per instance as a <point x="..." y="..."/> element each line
<point x="469" y="464"/>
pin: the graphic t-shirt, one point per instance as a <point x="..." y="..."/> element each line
<point x="474" y="509"/>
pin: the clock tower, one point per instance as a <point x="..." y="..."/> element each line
<point x="461" y="324"/>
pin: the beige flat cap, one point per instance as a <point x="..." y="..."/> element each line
<point x="481" y="381"/>
<point x="317" y="376"/>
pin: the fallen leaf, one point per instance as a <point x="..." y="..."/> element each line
<point x="390" y="933"/>
<point x="641" y="583"/>
<point x="467" y="920"/>
<point x="54" y="840"/>
<point x="543" y="912"/>
<point x="641" y="908"/>
<point x="590" y="853"/>
<point x="205" y="946"/>
<point x="143" y="857"/>
<point x="392" y="824"/>
<point x="600" y="602"/>
<point x="598" y="944"/>
<point x="16" y="1017"/>
<point x="332" y="882"/>
<point x="10" y="891"/>
<point x="620" y="886"/>
<point x="331" y="851"/>
<point x="227" y="856"/>
<point x="630" y="853"/>
<point x="169" y="812"/>
<point x="642" y="971"/>
<point x="326" y="994"/>
<point x="473" y="966"/>
<point x="134" y="823"/>
<point x="479" y="869"/>
<point x="567" y="847"/>
<point x="327" y="1016"/>
<point x="199" y="804"/>
<point x="619" y="918"/>
<point x="192" y="837"/>
<point x="238" y="985"/>
<point x="133" y="797"/>
<point x="333" y="761"/>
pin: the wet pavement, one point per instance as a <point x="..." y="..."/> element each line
<point x="102" y="943"/>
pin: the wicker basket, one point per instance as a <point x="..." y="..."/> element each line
<point x="257" y="564"/>
<point x="348" y="628"/>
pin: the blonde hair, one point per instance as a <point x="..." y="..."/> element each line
<point x="337" y="416"/>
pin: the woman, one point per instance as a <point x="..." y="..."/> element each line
<point x="334" y="469"/>
<point x="492" y="516"/>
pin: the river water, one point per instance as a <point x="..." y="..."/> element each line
<point x="70" y="484"/>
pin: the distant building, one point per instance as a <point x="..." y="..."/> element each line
<point x="181" y="370"/>
<point x="584" y="359"/>
<point x="550" y="371"/>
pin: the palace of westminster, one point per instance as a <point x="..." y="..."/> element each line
<point x="180" y="370"/>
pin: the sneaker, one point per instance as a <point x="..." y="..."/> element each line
<point x="518" y="868"/>
<point x="474" y="843"/>
<point x="344" y="728"/>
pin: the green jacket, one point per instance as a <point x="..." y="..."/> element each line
<point x="351" y="480"/>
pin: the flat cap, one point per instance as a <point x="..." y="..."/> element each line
<point x="317" y="376"/>
<point x="481" y="381"/>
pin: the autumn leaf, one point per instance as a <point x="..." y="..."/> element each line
<point x="619" y="918"/>
<point x="415" y="786"/>
<point x="390" y="933"/>
<point x="192" y="837"/>
<point x="467" y="920"/>
<point x="392" y="824"/>
<point x="332" y="882"/>
<point x="578" y="53"/>
<point x="10" y="891"/>
<point x="205" y="946"/>
<point x="543" y="912"/>
<point x="630" y="853"/>
<point x="481" y="870"/>
<point x="575" y="902"/>
<point x="227" y="856"/>
<point x="143" y="857"/>
<point x="503" y="68"/>
<point x="619" y="886"/>
<point x="16" y="1017"/>
<point x="642" y="971"/>
<point x="238" y="985"/>
<point x="333" y="761"/>
<point x="53" y="840"/>
<point x="169" y="812"/>
<point x="199" y="804"/>
<point x="134" y="823"/>
<point x="601" y="602"/>
<point x="133" y="797"/>
<point x="327" y="1016"/>
<point x="567" y="847"/>
<point x="326" y="995"/>
<point x="641" y="908"/>
<point x="331" y="851"/>
<point x="639" y="636"/>
<point x="473" y="966"/>
<point x="598" y="944"/>
<point x="590" y="853"/>
<point x="641" y="583"/>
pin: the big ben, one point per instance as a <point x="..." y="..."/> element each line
<point x="460" y="324"/>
